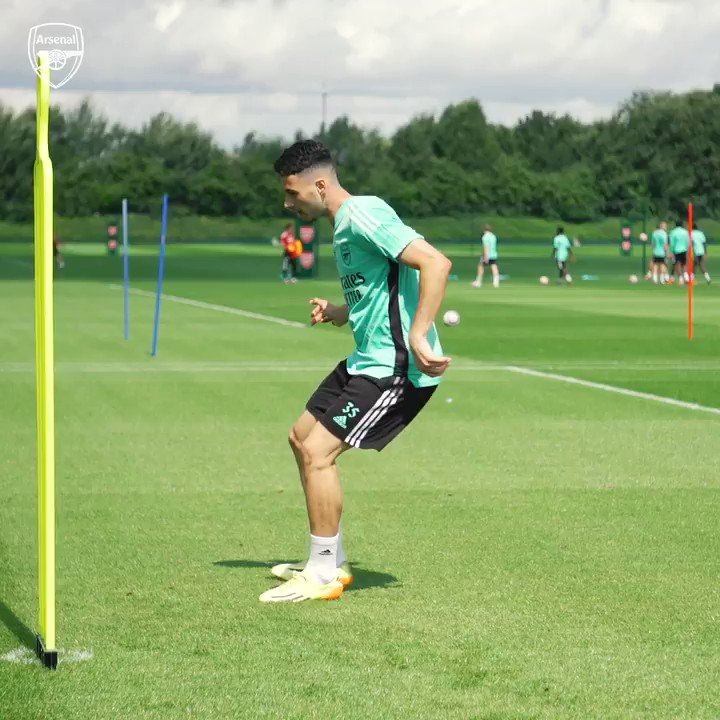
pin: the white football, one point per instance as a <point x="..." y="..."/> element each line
<point x="568" y="277"/>
<point x="643" y="237"/>
<point x="544" y="280"/>
<point x="633" y="279"/>
<point x="451" y="318"/>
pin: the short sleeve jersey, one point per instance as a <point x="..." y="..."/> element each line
<point x="489" y="241"/>
<point x="659" y="240"/>
<point x="381" y="293"/>
<point x="562" y="246"/>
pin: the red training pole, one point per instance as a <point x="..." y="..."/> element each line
<point x="691" y="273"/>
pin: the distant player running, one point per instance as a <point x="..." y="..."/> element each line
<point x="57" y="253"/>
<point x="394" y="283"/>
<point x="679" y="246"/>
<point x="658" y="265"/>
<point x="289" y="266"/>
<point x="699" y="242"/>
<point x="562" y="252"/>
<point x="490" y="257"/>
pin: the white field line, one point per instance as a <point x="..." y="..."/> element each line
<point x="270" y="367"/>
<point x="213" y="306"/>
<point x="614" y="389"/>
<point x="25" y="656"/>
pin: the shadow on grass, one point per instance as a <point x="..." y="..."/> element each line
<point x="363" y="577"/>
<point x="16" y="626"/>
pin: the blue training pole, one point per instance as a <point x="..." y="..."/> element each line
<point x="161" y="273"/>
<point x="126" y="271"/>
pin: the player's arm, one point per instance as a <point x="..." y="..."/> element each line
<point x="434" y="270"/>
<point x="324" y="311"/>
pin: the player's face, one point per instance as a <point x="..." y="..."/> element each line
<point x="304" y="195"/>
<point x="663" y="226"/>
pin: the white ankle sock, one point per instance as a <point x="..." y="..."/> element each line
<point x="341" y="556"/>
<point x="322" y="563"/>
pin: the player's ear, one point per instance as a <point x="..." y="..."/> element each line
<point x="321" y="187"/>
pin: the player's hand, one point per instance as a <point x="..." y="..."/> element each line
<point x="324" y="312"/>
<point x="425" y="359"/>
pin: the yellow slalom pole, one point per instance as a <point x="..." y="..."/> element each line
<point x="44" y="370"/>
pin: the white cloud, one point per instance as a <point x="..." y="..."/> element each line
<point x="168" y="14"/>
<point x="241" y="65"/>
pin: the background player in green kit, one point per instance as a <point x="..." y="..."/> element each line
<point x="659" y="267"/>
<point x="562" y="252"/>
<point x="699" y="242"/>
<point x="490" y="257"/>
<point x="394" y="283"/>
<point x="679" y="246"/>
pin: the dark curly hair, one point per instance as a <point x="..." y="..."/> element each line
<point x="302" y="156"/>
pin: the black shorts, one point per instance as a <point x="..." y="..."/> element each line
<point x="366" y="412"/>
<point x="659" y="259"/>
<point x="681" y="257"/>
<point x="489" y="262"/>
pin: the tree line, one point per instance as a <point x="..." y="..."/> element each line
<point x="654" y="154"/>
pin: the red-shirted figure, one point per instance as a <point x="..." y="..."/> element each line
<point x="290" y="254"/>
<point x="112" y="243"/>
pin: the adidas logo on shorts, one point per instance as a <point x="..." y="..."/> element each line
<point x="341" y="420"/>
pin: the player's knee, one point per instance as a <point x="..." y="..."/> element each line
<point x="294" y="441"/>
<point x="315" y="456"/>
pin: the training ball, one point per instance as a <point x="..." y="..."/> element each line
<point x="643" y="237"/>
<point x="568" y="278"/>
<point x="633" y="279"/>
<point x="544" y="280"/>
<point x="451" y="318"/>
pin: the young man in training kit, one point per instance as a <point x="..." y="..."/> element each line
<point x="562" y="252"/>
<point x="679" y="246"/>
<point x="394" y="283"/>
<point x="490" y="257"/>
<point x="658" y="268"/>
<point x="699" y="242"/>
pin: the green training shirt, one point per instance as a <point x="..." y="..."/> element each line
<point x="562" y="246"/>
<point x="699" y="241"/>
<point x="381" y="293"/>
<point x="659" y="240"/>
<point x="489" y="241"/>
<point x="679" y="240"/>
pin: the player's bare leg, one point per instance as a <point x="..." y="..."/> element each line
<point x="298" y="435"/>
<point x="477" y="283"/>
<point x="323" y="494"/>
<point x="496" y="275"/>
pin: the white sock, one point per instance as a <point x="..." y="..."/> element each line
<point x="341" y="556"/>
<point x="496" y="282"/>
<point x="655" y="276"/>
<point x="322" y="563"/>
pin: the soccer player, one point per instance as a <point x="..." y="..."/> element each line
<point x="289" y="267"/>
<point x="394" y="283"/>
<point x="490" y="257"/>
<point x="699" y="242"/>
<point x="658" y="265"/>
<point x="679" y="245"/>
<point x="57" y="253"/>
<point x="562" y="251"/>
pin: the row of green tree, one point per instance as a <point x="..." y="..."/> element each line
<point x="655" y="153"/>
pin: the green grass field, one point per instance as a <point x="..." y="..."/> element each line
<point x="532" y="549"/>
